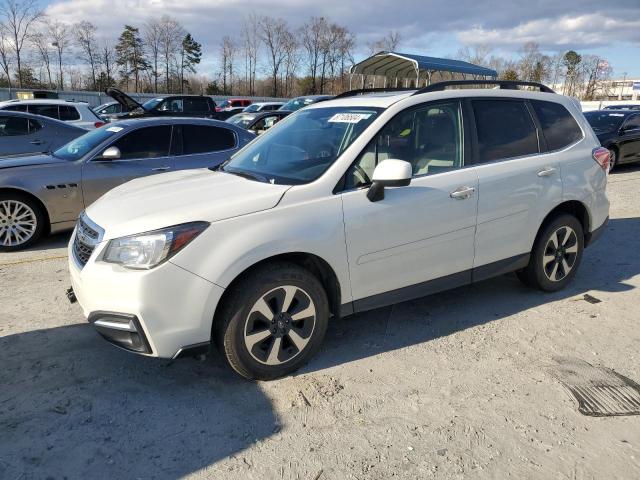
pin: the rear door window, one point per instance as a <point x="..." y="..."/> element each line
<point x="196" y="105"/>
<point x="45" y="110"/>
<point x="68" y="112"/>
<point x="558" y="126"/>
<point x="34" y="126"/>
<point x="13" y="126"/>
<point x="204" y="139"/>
<point x="505" y="130"/>
<point x="147" y="142"/>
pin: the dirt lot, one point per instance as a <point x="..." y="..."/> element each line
<point x="450" y="386"/>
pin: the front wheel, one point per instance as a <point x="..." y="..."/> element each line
<point x="555" y="256"/>
<point x="21" y="222"/>
<point x="613" y="159"/>
<point x="273" y="322"/>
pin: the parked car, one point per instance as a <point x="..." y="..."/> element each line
<point x="258" y="122"/>
<point x="23" y="133"/>
<point x="172" y="106"/>
<point x="233" y="104"/>
<point x="78" y="114"/>
<point x="43" y="194"/>
<point x="619" y="132"/>
<point x="348" y="205"/>
<point x="262" y="106"/>
<point x="300" y="102"/>
<point x="622" y="107"/>
<point x="110" y="110"/>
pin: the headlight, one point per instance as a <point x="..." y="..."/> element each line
<point x="147" y="250"/>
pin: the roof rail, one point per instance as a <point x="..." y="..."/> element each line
<point x="364" y="91"/>
<point x="503" y="84"/>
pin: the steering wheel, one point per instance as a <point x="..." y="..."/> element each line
<point x="364" y="177"/>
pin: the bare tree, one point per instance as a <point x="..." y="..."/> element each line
<point x="42" y="45"/>
<point x="274" y="33"/>
<point x="153" y="39"/>
<point x="19" y="18"/>
<point x="85" y="37"/>
<point x="107" y="60"/>
<point x="389" y="43"/>
<point x="228" y="50"/>
<point x="251" y="43"/>
<point x="60" y="39"/>
<point x="5" y="54"/>
<point x="312" y="37"/>
<point x="291" y="61"/>
<point x="171" y="35"/>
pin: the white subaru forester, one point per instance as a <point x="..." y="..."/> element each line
<point x="345" y="206"/>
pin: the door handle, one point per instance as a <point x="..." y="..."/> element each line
<point x="36" y="142"/>
<point x="160" y="169"/>
<point x="462" y="193"/>
<point x="546" y="171"/>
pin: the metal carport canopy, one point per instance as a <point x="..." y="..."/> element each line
<point x="405" y="65"/>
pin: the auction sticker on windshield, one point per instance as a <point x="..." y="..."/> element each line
<point x="349" y="117"/>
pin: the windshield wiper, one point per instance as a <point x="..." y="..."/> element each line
<point x="245" y="174"/>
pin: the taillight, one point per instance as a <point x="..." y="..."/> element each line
<point x="99" y="124"/>
<point x="602" y="156"/>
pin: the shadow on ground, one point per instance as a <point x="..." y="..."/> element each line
<point x="83" y="409"/>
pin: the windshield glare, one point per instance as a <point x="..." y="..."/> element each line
<point x="297" y="104"/>
<point x="78" y="148"/>
<point x="303" y="145"/>
<point x="604" y="121"/>
<point x="252" y="108"/>
<point x="151" y="104"/>
<point x="241" y="119"/>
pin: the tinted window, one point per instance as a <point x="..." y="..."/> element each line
<point x="196" y="105"/>
<point x="558" y="125"/>
<point x="11" y="126"/>
<point x="68" y="113"/>
<point x="34" y="126"/>
<point x="604" y="121"/>
<point x="174" y="105"/>
<point x="429" y="138"/>
<point x="202" y="139"/>
<point x="16" y="108"/>
<point x="505" y="129"/>
<point x="149" y="142"/>
<point x="46" y="110"/>
<point x="633" y="122"/>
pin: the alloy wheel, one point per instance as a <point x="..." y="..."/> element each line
<point x="560" y="254"/>
<point x="18" y="223"/>
<point x="612" y="159"/>
<point x="280" y="325"/>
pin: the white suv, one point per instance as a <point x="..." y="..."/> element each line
<point x="78" y="114"/>
<point x="344" y="206"/>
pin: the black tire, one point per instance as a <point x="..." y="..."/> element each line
<point x="241" y="318"/>
<point x="613" y="159"/>
<point x="39" y="217"/>
<point x="545" y="273"/>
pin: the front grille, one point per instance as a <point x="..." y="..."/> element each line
<point x="85" y="241"/>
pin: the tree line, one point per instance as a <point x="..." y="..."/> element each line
<point x="267" y="57"/>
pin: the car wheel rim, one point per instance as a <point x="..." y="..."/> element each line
<point x="280" y="325"/>
<point x="560" y="254"/>
<point x="18" y="223"/>
<point x="612" y="160"/>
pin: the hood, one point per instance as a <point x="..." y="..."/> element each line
<point x="122" y="98"/>
<point x="167" y="199"/>
<point x="28" y="161"/>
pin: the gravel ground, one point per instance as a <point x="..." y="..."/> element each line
<point x="450" y="386"/>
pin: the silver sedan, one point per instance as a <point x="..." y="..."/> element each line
<point x="45" y="193"/>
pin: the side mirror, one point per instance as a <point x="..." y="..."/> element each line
<point x="389" y="173"/>
<point x="111" y="153"/>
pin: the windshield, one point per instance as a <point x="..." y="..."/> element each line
<point x="78" y="148"/>
<point x="241" y="119"/>
<point x="297" y="103"/>
<point x="224" y="104"/>
<point x="303" y="146"/>
<point x="604" y="121"/>
<point x="151" y="104"/>
<point x="252" y="108"/>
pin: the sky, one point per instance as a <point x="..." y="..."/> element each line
<point x="610" y="28"/>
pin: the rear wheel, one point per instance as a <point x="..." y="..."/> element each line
<point x="273" y="322"/>
<point x="613" y="158"/>
<point x="556" y="255"/>
<point x="21" y="222"/>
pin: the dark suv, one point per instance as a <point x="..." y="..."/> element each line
<point x="172" y="105"/>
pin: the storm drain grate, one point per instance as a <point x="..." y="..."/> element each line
<point x="600" y="391"/>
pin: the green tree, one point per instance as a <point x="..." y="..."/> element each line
<point x="571" y="61"/>
<point x="190" y="56"/>
<point x="130" y="55"/>
<point x="509" y="74"/>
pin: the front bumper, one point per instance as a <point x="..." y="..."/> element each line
<point x="158" y="312"/>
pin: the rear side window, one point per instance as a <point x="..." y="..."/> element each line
<point x="558" y="125"/>
<point x="632" y="122"/>
<point x="68" y="112"/>
<point x="13" y="126"/>
<point x="505" y="129"/>
<point x="204" y="139"/>
<point x="196" y="105"/>
<point x="45" y="110"/>
<point x="148" y="142"/>
<point x="16" y="108"/>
